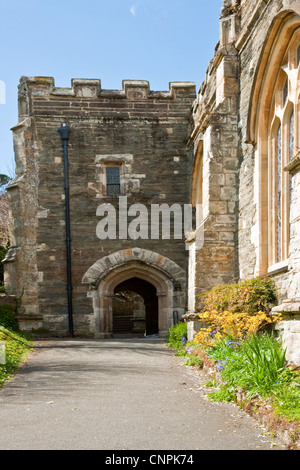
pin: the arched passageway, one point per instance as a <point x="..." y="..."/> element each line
<point x="157" y="279"/>
<point x="135" y="317"/>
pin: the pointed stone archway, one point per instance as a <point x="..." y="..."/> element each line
<point x="109" y="272"/>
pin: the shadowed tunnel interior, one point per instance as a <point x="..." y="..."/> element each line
<point x="135" y="308"/>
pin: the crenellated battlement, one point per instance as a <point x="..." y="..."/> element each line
<point x="91" y="88"/>
<point x="86" y="99"/>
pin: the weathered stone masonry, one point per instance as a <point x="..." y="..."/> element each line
<point x="214" y="145"/>
<point x="145" y="133"/>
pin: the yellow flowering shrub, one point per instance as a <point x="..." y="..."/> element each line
<point x="236" y="310"/>
<point x="237" y="325"/>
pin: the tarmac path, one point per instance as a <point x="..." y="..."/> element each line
<point x="119" y="394"/>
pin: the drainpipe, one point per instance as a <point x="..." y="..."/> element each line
<point x="65" y="134"/>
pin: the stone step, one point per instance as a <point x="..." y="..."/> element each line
<point x="122" y="324"/>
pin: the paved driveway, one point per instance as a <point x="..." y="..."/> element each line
<point x="117" y="394"/>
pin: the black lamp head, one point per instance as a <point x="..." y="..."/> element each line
<point x="64" y="131"/>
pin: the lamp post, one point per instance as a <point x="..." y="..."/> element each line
<point x="65" y="131"/>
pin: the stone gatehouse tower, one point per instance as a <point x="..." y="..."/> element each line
<point x="127" y="145"/>
<point x="232" y="150"/>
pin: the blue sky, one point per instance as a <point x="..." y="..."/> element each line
<point x="155" y="40"/>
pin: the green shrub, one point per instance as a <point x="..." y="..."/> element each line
<point x="265" y="363"/>
<point x="258" y="367"/>
<point x="8" y="317"/>
<point x="249" y="296"/>
<point x="177" y="336"/>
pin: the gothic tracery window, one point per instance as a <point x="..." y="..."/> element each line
<point x="274" y="131"/>
<point x="282" y="148"/>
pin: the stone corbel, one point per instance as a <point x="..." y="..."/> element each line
<point x="11" y="254"/>
<point x="294" y="165"/>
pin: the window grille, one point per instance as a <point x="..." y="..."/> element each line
<point x="113" y="183"/>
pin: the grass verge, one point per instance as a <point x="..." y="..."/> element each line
<point x="15" y="348"/>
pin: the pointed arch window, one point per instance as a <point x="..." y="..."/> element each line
<point x="278" y="218"/>
<point x="292" y="151"/>
<point x="274" y="130"/>
<point x="197" y="178"/>
<point x="198" y="198"/>
<point x="282" y="147"/>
